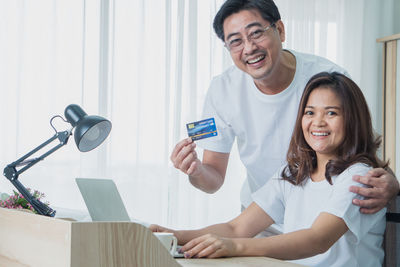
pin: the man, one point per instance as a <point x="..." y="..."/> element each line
<point x="256" y="101"/>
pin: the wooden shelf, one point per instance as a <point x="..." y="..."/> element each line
<point x="388" y="38"/>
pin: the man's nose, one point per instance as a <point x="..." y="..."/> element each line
<point x="249" y="46"/>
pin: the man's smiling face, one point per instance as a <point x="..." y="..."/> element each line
<point x="258" y="59"/>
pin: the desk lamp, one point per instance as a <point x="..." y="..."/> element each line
<point x="90" y="132"/>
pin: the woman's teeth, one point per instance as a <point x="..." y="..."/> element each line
<point x="319" y="134"/>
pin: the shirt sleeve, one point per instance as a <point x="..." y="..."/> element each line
<point x="215" y="106"/>
<point x="340" y="203"/>
<point x="271" y="197"/>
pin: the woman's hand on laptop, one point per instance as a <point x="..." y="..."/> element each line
<point x="210" y="246"/>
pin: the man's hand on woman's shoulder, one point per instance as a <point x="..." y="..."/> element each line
<point x="382" y="186"/>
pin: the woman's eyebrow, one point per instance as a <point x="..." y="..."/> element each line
<point x="327" y="107"/>
<point x="332" y="107"/>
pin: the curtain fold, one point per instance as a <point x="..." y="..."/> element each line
<point x="146" y="65"/>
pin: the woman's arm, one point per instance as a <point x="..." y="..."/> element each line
<point x="249" y="223"/>
<point x="324" y="232"/>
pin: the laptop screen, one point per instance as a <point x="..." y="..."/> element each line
<point x="102" y="200"/>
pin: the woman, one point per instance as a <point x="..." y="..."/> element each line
<point x="332" y="141"/>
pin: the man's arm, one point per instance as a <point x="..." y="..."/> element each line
<point x="208" y="175"/>
<point x="382" y="187"/>
<point x="212" y="171"/>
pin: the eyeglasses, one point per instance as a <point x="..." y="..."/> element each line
<point x="256" y="36"/>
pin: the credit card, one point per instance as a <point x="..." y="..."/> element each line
<point x="202" y="129"/>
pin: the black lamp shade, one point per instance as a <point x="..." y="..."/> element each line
<point x="90" y="131"/>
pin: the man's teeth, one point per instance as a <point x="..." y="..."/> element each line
<point x="256" y="59"/>
<point x="319" y="134"/>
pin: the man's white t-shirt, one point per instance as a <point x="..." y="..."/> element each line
<point x="262" y="124"/>
<point x="298" y="206"/>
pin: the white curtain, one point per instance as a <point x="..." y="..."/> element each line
<point x="146" y="65"/>
<point x="344" y="32"/>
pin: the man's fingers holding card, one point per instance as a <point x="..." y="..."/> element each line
<point x="194" y="167"/>
<point x="181" y="151"/>
<point x="185" y="151"/>
<point x="179" y="146"/>
<point x="184" y="156"/>
<point x="187" y="162"/>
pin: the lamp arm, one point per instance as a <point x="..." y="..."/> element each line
<point x="11" y="171"/>
<point x="12" y="174"/>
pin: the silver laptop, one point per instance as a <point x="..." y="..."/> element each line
<point x="104" y="203"/>
<point x="102" y="200"/>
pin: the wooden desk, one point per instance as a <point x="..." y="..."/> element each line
<point x="236" y="262"/>
<point x="38" y="241"/>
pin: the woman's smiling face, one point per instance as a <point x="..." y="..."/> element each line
<point x="323" y="122"/>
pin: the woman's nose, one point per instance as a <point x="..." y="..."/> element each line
<point x="319" y="120"/>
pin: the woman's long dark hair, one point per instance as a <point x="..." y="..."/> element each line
<point x="359" y="144"/>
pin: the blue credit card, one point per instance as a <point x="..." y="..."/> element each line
<point x="202" y="129"/>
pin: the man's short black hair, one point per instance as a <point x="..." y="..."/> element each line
<point x="267" y="9"/>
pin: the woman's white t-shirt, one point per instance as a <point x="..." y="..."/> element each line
<point x="296" y="207"/>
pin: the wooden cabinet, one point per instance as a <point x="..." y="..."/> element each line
<point x="391" y="136"/>
<point x="391" y="101"/>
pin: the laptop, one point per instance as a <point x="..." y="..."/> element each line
<point x="102" y="200"/>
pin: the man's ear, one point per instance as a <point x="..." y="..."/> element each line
<point x="281" y="30"/>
